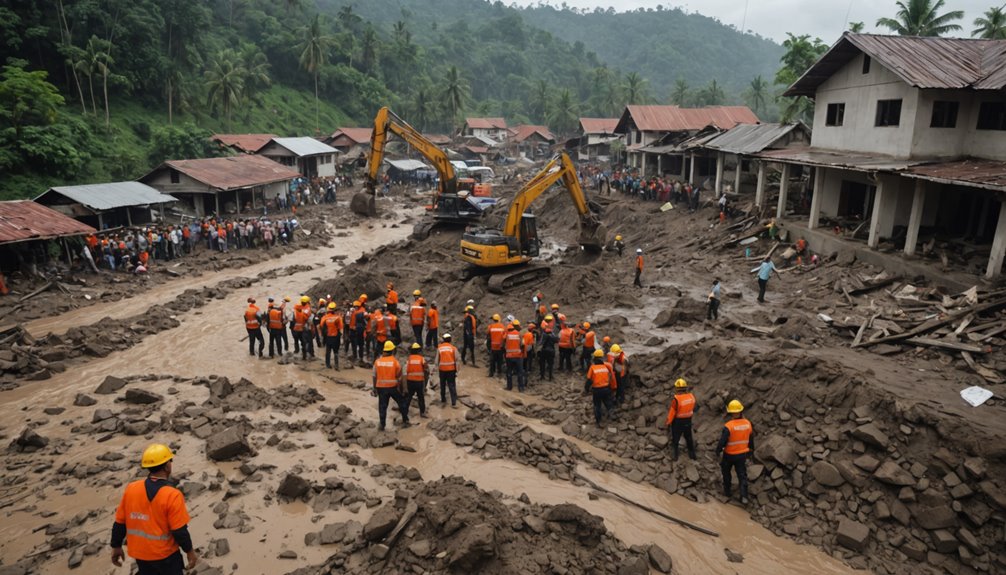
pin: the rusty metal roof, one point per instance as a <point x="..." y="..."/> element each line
<point x="486" y="123"/>
<point x="24" y="220"/>
<point x="598" y="125"/>
<point x="989" y="174"/>
<point x="921" y="62"/>
<point x="230" y="173"/>
<point x="438" y="139"/>
<point x="675" y="119"/>
<point x="249" y="143"/>
<point x="838" y="159"/>
<point x="754" y="138"/>
<point x="525" y="131"/>
<point x="353" y="135"/>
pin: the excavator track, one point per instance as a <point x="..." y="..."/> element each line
<point x="507" y="280"/>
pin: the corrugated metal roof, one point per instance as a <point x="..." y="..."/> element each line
<point x="249" y="143"/>
<point x="100" y="197"/>
<point x="753" y="138"/>
<point x="598" y="125"/>
<point x="836" y="159"/>
<point x="231" y="173"/>
<point x="408" y="165"/>
<point x="486" y="123"/>
<point x="525" y="131"/>
<point x="921" y="62"/>
<point x="23" y="220"/>
<point x="678" y="145"/>
<point x="305" y="146"/>
<point x="675" y="119"/>
<point x="489" y="142"/>
<point x="357" y="135"/>
<point x="988" y="174"/>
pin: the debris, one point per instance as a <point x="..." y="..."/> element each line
<point x="975" y="395"/>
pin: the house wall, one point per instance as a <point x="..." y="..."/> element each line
<point x="990" y="144"/>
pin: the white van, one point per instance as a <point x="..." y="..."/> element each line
<point x="481" y="173"/>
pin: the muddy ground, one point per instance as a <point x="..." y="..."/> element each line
<point x="864" y="461"/>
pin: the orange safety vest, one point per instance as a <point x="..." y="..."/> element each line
<point x="357" y="316"/>
<point x="528" y="341"/>
<point x="514" y="345"/>
<point x="740" y="436"/>
<point x="600" y="376"/>
<point x="496" y="334"/>
<point x="566" y="338"/>
<point x="416" y="314"/>
<point x="548" y="326"/>
<point x="391" y="322"/>
<point x="378" y="327"/>
<point x="682" y="407"/>
<point x="639" y="263"/>
<point x="588" y="340"/>
<point x="433" y="318"/>
<point x="388" y="371"/>
<point x="275" y="318"/>
<point x="300" y="317"/>
<point x="333" y="323"/>
<point x="474" y="321"/>
<point x="618" y="360"/>
<point x="149" y="523"/>
<point x="251" y="317"/>
<point x="447" y="357"/>
<point x="415" y="370"/>
<point x="392" y="297"/>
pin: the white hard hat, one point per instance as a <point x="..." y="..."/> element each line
<point x="639" y="250"/>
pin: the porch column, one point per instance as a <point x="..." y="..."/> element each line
<point x="719" y="174"/>
<point x="780" y="209"/>
<point x="915" y="220"/>
<point x="691" y="173"/>
<point x="660" y="164"/>
<point x="737" y="175"/>
<point x="760" y="188"/>
<point x="879" y="198"/>
<point x="815" y="201"/>
<point x="101" y="222"/>
<point x="642" y="167"/>
<point x="998" y="244"/>
<point x="683" y="166"/>
<point x="216" y="201"/>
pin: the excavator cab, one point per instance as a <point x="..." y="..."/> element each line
<point x="529" y="242"/>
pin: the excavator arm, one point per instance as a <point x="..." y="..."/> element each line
<point x="387" y="122"/>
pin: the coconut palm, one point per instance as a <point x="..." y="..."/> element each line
<point x="856" y="27"/>
<point x="712" y="94"/>
<point x="540" y="101"/>
<point x="564" y="113"/>
<point x="455" y="94"/>
<point x="992" y="25"/>
<point x="757" y="94"/>
<point x="314" y="53"/>
<point x="225" y="79"/>
<point x="922" y="18"/>
<point x="680" y="92"/>
<point x="256" y="71"/>
<point x="100" y="59"/>
<point x="422" y="105"/>
<point x="635" y="89"/>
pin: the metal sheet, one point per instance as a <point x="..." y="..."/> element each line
<point x="249" y="143"/>
<point x="108" y="196"/>
<point x="675" y="119"/>
<point x="230" y="173"/>
<point x="23" y="220"/>
<point x="305" y="146"/>
<point x="598" y="125"/>
<point x="754" y="138"/>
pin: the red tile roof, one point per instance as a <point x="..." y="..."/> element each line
<point x="357" y="135"/>
<point x="249" y="143"/>
<point x="438" y="139"/>
<point x="486" y="123"/>
<point x="525" y="131"/>
<point x="231" y="173"/>
<point x="675" y="119"/>
<point x="23" y="220"/>
<point x="598" y="125"/>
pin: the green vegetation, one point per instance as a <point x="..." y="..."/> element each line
<point x="991" y="25"/>
<point x="922" y="18"/>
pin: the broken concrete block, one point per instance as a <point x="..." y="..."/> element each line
<point x="227" y="444"/>
<point x="853" y="534"/>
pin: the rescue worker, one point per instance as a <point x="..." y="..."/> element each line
<point x="514" y="350"/>
<point x="470" y="327"/>
<point x="547" y="325"/>
<point x="567" y="343"/>
<point x="378" y="332"/>
<point x="417" y="316"/>
<point x="618" y="245"/>
<point x="387" y="381"/>
<point x="302" y="326"/>
<point x="679" y="418"/>
<point x="495" y="334"/>
<point x="391" y="299"/>
<point x="530" y="338"/>
<point x="253" y="323"/>
<point x="447" y="366"/>
<point x="394" y="332"/>
<point x="417" y="374"/>
<point x="713" y="309"/>
<point x="546" y="348"/>
<point x="589" y="345"/>
<point x="347" y="318"/>
<point x="295" y="332"/>
<point x="287" y="322"/>
<point x="152" y="520"/>
<point x="540" y="311"/>
<point x="319" y="339"/>
<point x="620" y="363"/>
<point x="432" y="325"/>
<point x="277" y="331"/>
<point x="736" y="442"/>
<point x="639" y="268"/>
<point x="331" y="326"/>
<point x="606" y="344"/>
<point x="357" y="325"/>
<point x="600" y="381"/>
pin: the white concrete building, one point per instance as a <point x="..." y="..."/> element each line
<point x="494" y="128"/>
<point x="313" y="159"/>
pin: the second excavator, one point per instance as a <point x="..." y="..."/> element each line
<point x="507" y="253"/>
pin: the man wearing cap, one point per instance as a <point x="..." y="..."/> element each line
<point x="152" y="520"/>
<point x="417" y="374"/>
<point x="387" y="381"/>
<point x="736" y="443"/>
<point x="470" y="325"/>
<point x="639" y="268"/>
<point x="679" y="418"/>
<point x="447" y="366"/>
<point x="253" y="323"/>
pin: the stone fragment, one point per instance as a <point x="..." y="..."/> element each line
<point x="142" y="396"/>
<point x="29" y="441"/>
<point x="866" y="463"/>
<point x="976" y="468"/>
<point x="944" y="541"/>
<point x="780" y="449"/>
<point x="473" y="547"/>
<point x="84" y="400"/>
<point x="634" y="565"/>
<point x="227" y="444"/>
<point x="332" y="533"/>
<point x="892" y="474"/>
<point x="871" y="435"/>
<point x="381" y="523"/>
<point x="659" y="559"/>
<point x="934" y="517"/>
<point x="110" y="385"/>
<point x="293" y="486"/>
<point x="826" y="474"/>
<point x="853" y="534"/>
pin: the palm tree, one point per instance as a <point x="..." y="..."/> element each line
<point x="679" y="95"/>
<point x="84" y="64"/>
<point x="712" y="95"/>
<point x="991" y="26"/>
<point x="856" y="27"/>
<point x="921" y="18"/>
<point x="635" y="88"/>
<point x="368" y="49"/>
<point x="100" y="59"/>
<point x="564" y="113"/>
<point x="422" y="106"/>
<point x="540" y="101"/>
<point x="225" y="83"/>
<point x="256" y="71"/>
<point x="757" y="94"/>
<point x="455" y="93"/>
<point x="314" y="53"/>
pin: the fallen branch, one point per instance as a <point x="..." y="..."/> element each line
<point x="951" y="345"/>
<point x="36" y="292"/>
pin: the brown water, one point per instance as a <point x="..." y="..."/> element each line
<point x="206" y="344"/>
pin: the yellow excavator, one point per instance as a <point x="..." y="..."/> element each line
<point x="455" y="202"/>
<point x="505" y="253"/>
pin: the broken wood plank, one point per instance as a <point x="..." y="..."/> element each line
<point x="940" y="322"/>
<point x="986" y="373"/>
<point x="36" y="292"/>
<point x="874" y="285"/>
<point x="761" y="330"/>
<point x="859" y="334"/>
<point x="964" y="323"/>
<point x="940" y="343"/>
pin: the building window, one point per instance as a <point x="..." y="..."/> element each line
<point x="888" y="112"/>
<point x="944" y="114"/>
<point x="992" y="116"/>
<point x="639" y="136"/>
<point x="866" y="64"/>
<point x="836" y="115"/>
<point x="174" y="176"/>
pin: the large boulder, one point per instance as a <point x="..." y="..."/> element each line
<point x="473" y="547"/>
<point x="853" y="534"/>
<point x="293" y="486"/>
<point x="141" y="396"/>
<point x="891" y="473"/>
<point x="110" y="385"/>
<point x="827" y="474"/>
<point x="780" y="449"/>
<point x="381" y="523"/>
<point x="227" y="444"/>
<point x="29" y="441"/>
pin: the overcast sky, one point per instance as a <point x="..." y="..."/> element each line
<point x="773" y="18"/>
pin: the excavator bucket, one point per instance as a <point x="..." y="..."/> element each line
<point x="364" y="203"/>
<point x="593" y="235"/>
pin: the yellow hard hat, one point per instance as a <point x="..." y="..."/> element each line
<point x="286" y="298"/>
<point x="598" y="353"/>
<point x="156" y="454"/>
<point x="516" y="323"/>
<point x="618" y="238"/>
<point x="417" y="293"/>
<point x="363" y="297"/>
<point x="549" y="317"/>
<point x="321" y="301"/>
<point x="555" y="306"/>
<point x="734" y="406"/>
<point x="496" y="317"/>
<point x="304" y="299"/>
<point x="356" y="303"/>
<point x="616" y="348"/>
<point x="468" y="308"/>
<point x="682" y="383"/>
<point x="332" y="305"/>
<point x="586" y="325"/>
<point x="414" y="346"/>
<point x="389" y="346"/>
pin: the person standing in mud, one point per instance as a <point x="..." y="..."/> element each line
<point x="277" y="330"/>
<point x="546" y="348"/>
<point x="495" y="334"/>
<point x="764" y="272"/>
<point x="357" y="326"/>
<point x="253" y="323"/>
<point x="387" y="381"/>
<point x="679" y="418"/>
<point x="514" y="350"/>
<point x="331" y="328"/>
<point x="639" y="268"/>
<point x="152" y="520"/>
<point x="736" y="443"/>
<point x="447" y="366"/>
<point x="600" y="381"/>
<point x="713" y="309"/>
<point x="470" y="327"/>
<point x="417" y="374"/>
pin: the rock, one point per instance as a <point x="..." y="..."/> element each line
<point x="142" y="396"/>
<point x="288" y="554"/>
<point x="778" y="448"/>
<point x="381" y="523"/>
<point x="892" y="474"/>
<point x="101" y="415"/>
<point x="866" y="463"/>
<point x="992" y="491"/>
<point x="853" y="534"/>
<point x="975" y="466"/>
<point x="54" y="410"/>
<point x="227" y="444"/>
<point x="76" y="558"/>
<point x="29" y="441"/>
<point x="379" y="551"/>
<point x="535" y="524"/>
<point x="826" y="474"/>
<point x="659" y="559"/>
<point x="914" y="549"/>
<point x="733" y="556"/>
<point x="871" y="435"/>
<point x="332" y="533"/>
<point x="293" y="486"/>
<point x="13" y="570"/>
<point x="83" y="400"/>
<point x="944" y="541"/>
<point x="222" y="547"/>
<point x="588" y="528"/>
<point x="220" y="388"/>
<point x="421" y="548"/>
<point x="110" y="385"/>
<point x="473" y="547"/>
<point x="364" y="203"/>
<point x="934" y="517"/>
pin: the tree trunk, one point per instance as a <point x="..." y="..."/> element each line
<point x="104" y="82"/>
<point x="317" y="126"/>
<point x="90" y="87"/>
<point x="80" y="90"/>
